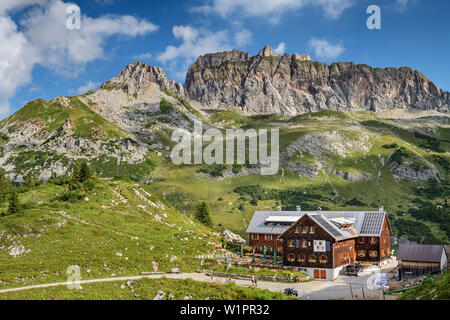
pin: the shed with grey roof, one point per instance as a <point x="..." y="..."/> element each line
<point x="420" y="259"/>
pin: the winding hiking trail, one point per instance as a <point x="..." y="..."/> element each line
<point x="56" y="284"/>
<point x="314" y="290"/>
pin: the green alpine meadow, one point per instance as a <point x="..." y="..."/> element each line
<point x="135" y="141"/>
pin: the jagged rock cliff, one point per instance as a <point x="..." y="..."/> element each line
<point x="269" y="83"/>
<point x="137" y="77"/>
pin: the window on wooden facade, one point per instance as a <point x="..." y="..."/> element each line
<point x="373" y="253"/>
<point x="268" y="237"/>
<point x="361" y="240"/>
<point x="270" y="249"/>
<point x="301" y="258"/>
<point x="311" y="230"/>
<point x="297" y="243"/>
<point x="255" y="236"/>
<point x="296" y="229"/>
<point x="312" y="259"/>
<point x="373" y="240"/>
<point x="291" y="243"/>
<point x="323" y="259"/>
<point x="304" y="242"/>
<point x="305" y="229"/>
<point x="362" y="253"/>
<point x="291" y="257"/>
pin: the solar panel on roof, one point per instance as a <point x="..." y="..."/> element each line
<point x="372" y="223"/>
<point x="327" y="226"/>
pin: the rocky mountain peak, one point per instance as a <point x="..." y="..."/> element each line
<point x="301" y="57"/>
<point x="267" y="51"/>
<point x="67" y="127"/>
<point x="290" y="85"/>
<point x="136" y="76"/>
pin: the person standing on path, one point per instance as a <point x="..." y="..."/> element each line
<point x="256" y="281"/>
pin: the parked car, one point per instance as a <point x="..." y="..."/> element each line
<point x="291" y="292"/>
<point x="353" y="269"/>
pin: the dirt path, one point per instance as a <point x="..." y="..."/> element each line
<point x="56" y="284"/>
<point x="314" y="290"/>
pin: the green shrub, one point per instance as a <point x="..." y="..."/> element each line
<point x="355" y="202"/>
<point x="71" y="196"/>
<point x="415" y="230"/>
<point x="390" y="146"/>
<point x="236" y="168"/>
<point x="218" y="169"/>
<point x="165" y="106"/>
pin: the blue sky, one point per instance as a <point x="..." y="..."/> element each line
<point x="41" y="58"/>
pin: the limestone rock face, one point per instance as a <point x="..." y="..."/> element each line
<point x="232" y="237"/>
<point x="137" y="76"/>
<point x="269" y="83"/>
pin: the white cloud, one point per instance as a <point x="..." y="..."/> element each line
<point x="17" y="59"/>
<point x="65" y="50"/>
<point x="43" y="38"/>
<point x="194" y="43"/>
<point x="281" y="49"/>
<point x="243" y="37"/>
<point x="273" y="9"/>
<point x="402" y="5"/>
<point x="333" y="9"/>
<point x="324" y="49"/>
<point x="88" y="86"/>
<point x="186" y="33"/>
<point x="142" y="56"/>
<point x="11" y="5"/>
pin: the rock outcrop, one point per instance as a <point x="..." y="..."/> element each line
<point x="269" y="83"/>
<point x="232" y="237"/>
<point x="137" y="76"/>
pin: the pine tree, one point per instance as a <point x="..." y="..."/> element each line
<point x="5" y="187"/>
<point x="202" y="214"/>
<point x="31" y="181"/>
<point x="13" y="206"/>
<point x="85" y="172"/>
<point x="53" y="178"/>
<point x="76" y="173"/>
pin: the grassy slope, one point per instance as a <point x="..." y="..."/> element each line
<point x="433" y="288"/>
<point x="182" y="187"/>
<point x="147" y="289"/>
<point x="53" y="116"/>
<point x="92" y="232"/>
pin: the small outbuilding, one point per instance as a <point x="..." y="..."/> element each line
<point x="415" y="260"/>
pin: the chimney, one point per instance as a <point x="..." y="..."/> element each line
<point x="381" y="209"/>
<point x="279" y="208"/>
<point x="299" y="208"/>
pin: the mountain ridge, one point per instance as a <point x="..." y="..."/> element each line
<point x="269" y="83"/>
